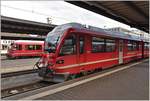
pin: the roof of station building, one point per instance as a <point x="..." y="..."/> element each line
<point x="132" y="13"/>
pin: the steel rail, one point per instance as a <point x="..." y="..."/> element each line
<point x="18" y="73"/>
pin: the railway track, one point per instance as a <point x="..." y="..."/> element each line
<point x="24" y="88"/>
<point x="18" y="73"/>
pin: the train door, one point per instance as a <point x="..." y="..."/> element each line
<point x="67" y="57"/>
<point x="81" y="56"/>
<point x="120" y="51"/>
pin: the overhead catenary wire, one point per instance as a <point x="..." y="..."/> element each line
<point x="35" y="12"/>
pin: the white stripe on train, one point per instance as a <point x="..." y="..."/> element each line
<point x="93" y="62"/>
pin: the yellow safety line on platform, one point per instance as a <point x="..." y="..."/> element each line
<point x="52" y="91"/>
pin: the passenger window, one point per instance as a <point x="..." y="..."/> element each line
<point x="30" y="47"/>
<point x="81" y="45"/>
<point x="38" y="47"/>
<point x="130" y="46"/>
<point x="146" y="46"/>
<point x="18" y="47"/>
<point x="110" y="45"/>
<point x="137" y="45"/>
<point x="69" y="46"/>
<point x="134" y="46"/>
<point x="98" y="45"/>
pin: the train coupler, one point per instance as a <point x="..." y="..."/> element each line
<point x="45" y="72"/>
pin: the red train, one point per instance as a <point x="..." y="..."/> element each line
<point x="22" y="48"/>
<point x="72" y="49"/>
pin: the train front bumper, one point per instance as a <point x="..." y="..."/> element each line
<point x="51" y="76"/>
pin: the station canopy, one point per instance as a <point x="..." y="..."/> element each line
<point x="132" y="13"/>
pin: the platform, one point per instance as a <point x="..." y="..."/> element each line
<point x="125" y="82"/>
<point x="128" y="84"/>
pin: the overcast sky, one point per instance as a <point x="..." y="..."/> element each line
<point x="61" y="12"/>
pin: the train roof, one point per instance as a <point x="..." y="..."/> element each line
<point x="28" y="41"/>
<point x="121" y="35"/>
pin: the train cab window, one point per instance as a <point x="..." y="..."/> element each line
<point x="69" y="46"/>
<point x="98" y="45"/>
<point x="81" y="39"/>
<point x="110" y="45"/>
<point x="38" y="47"/>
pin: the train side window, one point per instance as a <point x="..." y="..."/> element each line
<point x="98" y="45"/>
<point x="38" y="47"/>
<point x="81" y="39"/>
<point x="137" y="45"/>
<point x="146" y="46"/>
<point x="130" y="45"/>
<point x="134" y="46"/>
<point x="18" y="47"/>
<point x="30" y="47"/>
<point x="69" y="46"/>
<point x="140" y="45"/>
<point x="110" y="45"/>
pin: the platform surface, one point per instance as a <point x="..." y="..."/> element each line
<point x="128" y="84"/>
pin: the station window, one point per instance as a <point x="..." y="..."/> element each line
<point x="69" y="46"/>
<point x="110" y="45"/>
<point x="4" y="47"/>
<point x="98" y="45"/>
<point x="81" y="45"/>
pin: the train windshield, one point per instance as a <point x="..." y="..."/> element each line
<point x="52" y="40"/>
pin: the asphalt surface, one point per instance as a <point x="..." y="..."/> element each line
<point x="128" y="84"/>
<point x="7" y="63"/>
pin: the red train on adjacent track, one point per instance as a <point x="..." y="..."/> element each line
<point x="72" y="49"/>
<point x="24" y="48"/>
